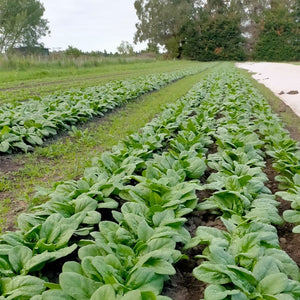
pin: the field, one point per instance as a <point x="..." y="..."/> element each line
<point x="178" y="185"/>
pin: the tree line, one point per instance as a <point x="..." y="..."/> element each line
<point x="195" y="29"/>
<point x="21" y="23"/>
<point x="221" y="29"/>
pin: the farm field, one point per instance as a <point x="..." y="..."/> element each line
<point x="189" y="201"/>
<point x="21" y="84"/>
<point x="65" y="157"/>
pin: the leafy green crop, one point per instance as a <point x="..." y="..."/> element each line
<point x="247" y="256"/>
<point x="236" y="259"/>
<point x="25" y="125"/>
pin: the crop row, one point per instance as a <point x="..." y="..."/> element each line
<point x="285" y="153"/>
<point x="118" y="226"/>
<point x="25" y="125"/>
<point x="245" y="260"/>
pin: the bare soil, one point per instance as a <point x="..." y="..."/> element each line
<point x="289" y="241"/>
<point x="9" y="164"/>
<point x="16" y="207"/>
<point x="183" y="285"/>
<point x="293" y="92"/>
<point x="272" y="184"/>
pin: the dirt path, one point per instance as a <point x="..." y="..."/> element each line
<point x="282" y="79"/>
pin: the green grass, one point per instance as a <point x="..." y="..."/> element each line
<point x="55" y="73"/>
<point x="21" y="85"/>
<point x="5" y="184"/>
<point x="65" y="158"/>
<point x="18" y="65"/>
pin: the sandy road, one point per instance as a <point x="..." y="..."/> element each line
<point x="282" y="79"/>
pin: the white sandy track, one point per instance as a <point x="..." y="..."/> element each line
<point x="280" y="78"/>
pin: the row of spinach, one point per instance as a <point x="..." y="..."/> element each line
<point x="132" y="252"/>
<point x="285" y="153"/>
<point x="25" y="125"/>
<point x="243" y="261"/>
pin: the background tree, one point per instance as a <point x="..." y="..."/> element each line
<point x="221" y="29"/>
<point x="73" y="52"/>
<point x="253" y="13"/>
<point x="152" y="48"/>
<point x="279" y="38"/>
<point x="198" y="29"/>
<point x="218" y="38"/>
<point x="21" y="23"/>
<point x="214" y="33"/>
<point x="125" y="48"/>
<point x="161" y="22"/>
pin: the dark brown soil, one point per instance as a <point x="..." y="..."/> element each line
<point x="9" y="164"/>
<point x="219" y="115"/>
<point x="293" y="92"/>
<point x="183" y="285"/>
<point x="205" y="194"/>
<point x="289" y="241"/>
<point x="16" y="207"/>
<point x="272" y="184"/>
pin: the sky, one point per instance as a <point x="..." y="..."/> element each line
<point x="90" y="25"/>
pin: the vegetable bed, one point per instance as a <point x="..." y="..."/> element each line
<point x="25" y="125"/>
<point x="124" y="228"/>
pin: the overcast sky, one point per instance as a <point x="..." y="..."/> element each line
<point x="90" y="24"/>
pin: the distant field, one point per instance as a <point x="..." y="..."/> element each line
<point x="22" y="84"/>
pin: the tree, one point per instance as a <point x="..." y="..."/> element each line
<point x="215" y="34"/>
<point x="125" y="48"/>
<point x="219" y="29"/>
<point x="161" y="21"/>
<point x="252" y="13"/>
<point x="153" y="48"/>
<point x="279" y="38"/>
<point x="21" y="23"/>
<point x="73" y="51"/>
